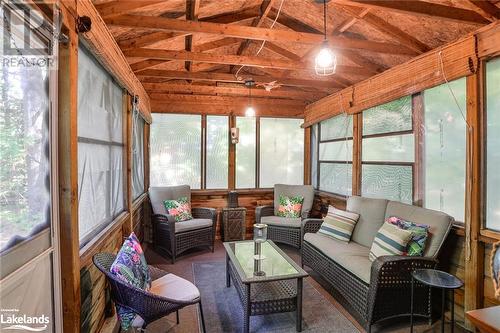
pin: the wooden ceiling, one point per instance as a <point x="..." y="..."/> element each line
<point x="210" y="47"/>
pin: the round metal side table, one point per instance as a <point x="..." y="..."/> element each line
<point x="437" y="279"/>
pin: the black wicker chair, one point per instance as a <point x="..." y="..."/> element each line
<point x="286" y="230"/>
<point x="149" y="306"/>
<point x="171" y="238"/>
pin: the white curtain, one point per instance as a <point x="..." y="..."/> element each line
<point x="137" y="154"/>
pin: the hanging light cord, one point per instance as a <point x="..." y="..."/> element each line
<point x="324" y="18"/>
<point x="263" y="42"/>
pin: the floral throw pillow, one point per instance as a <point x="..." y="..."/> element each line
<point x="290" y="206"/>
<point x="180" y="209"/>
<point x="131" y="267"/>
<point x="416" y="245"/>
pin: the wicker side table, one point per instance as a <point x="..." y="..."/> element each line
<point x="233" y="224"/>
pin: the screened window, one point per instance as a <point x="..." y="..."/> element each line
<point x="493" y="144"/>
<point x="137" y="154"/>
<point x="246" y="150"/>
<point x="217" y="152"/>
<point x="445" y="148"/>
<point x="100" y="147"/>
<point x="334" y="172"/>
<point x="175" y="150"/>
<point x="388" y="151"/>
<point x="281" y="152"/>
<point x="24" y="159"/>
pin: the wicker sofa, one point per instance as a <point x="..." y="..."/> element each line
<point x="284" y="229"/>
<point x="171" y="238"/>
<point x="381" y="289"/>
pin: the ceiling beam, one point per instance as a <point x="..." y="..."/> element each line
<point x="486" y="9"/>
<point x="225" y="77"/>
<point x="421" y="8"/>
<point x="162" y="36"/>
<point x="232" y="91"/>
<point x="237" y="31"/>
<point x="229" y="59"/>
<point x="115" y="8"/>
<point x="388" y="29"/>
<point x="348" y="23"/>
<point x="192" y="11"/>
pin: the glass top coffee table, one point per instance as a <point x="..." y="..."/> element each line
<point x="270" y="285"/>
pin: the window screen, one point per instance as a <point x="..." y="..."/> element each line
<point x="100" y="147"/>
<point x="335" y="146"/>
<point x="493" y="144"/>
<point x="445" y="149"/>
<point x="246" y="152"/>
<point x="175" y="150"/>
<point x="217" y="152"/>
<point x="388" y="151"/>
<point x="137" y="154"/>
<point x="281" y="152"/>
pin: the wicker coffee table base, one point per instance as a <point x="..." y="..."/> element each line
<point x="260" y="298"/>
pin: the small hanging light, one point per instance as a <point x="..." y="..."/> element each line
<point x="250" y="111"/>
<point x="326" y="61"/>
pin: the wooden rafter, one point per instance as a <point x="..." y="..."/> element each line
<point x="224" y="77"/>
<point x="244" y="32"/>
<point x="348" y="23"/>
<point x="228" y="59"/>
<point x="233" y="91"/>
<point x="192" y="11"/>
<point x="421" y="8"/>
<point x="114" y="8"/>
<point x="486" y="9"/>
<point x="388" y="29"/>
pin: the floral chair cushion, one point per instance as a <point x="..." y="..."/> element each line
<point x="290" y="206"/>
<point x="180" y="209"/>
<point x="131" y="267"/>
<point x="416" y="245"/>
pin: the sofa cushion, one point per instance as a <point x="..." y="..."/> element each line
<point x="192" y="224"/>
<point x="174" y="287"/>
<point x="306" y="191"/>
<point x="439" y="223"/>
<point x="351" y="256"/>
<point x="371" y="217"/>
<point x="290" y="206"/>
<point x="157" y="195"/>
<point x="339" y="224"/>
<point x="293" y="222"/>
<point x="390" y="241"/>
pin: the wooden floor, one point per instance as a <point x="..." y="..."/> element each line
<point x="188" y="316"/>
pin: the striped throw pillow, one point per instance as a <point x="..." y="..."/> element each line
<point x="339" y="224"/>
<point x="389" y="241"/>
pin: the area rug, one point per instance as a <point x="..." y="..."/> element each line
<point x="224" y="313"/>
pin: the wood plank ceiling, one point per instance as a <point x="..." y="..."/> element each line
<point x="210" y="47"/>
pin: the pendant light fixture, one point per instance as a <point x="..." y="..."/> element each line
<point x="326" y="61"/>
<point x="250" y="111"/>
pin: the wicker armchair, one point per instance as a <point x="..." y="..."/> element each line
<point x="282" y="229"/>
<point x="171" y="238"/>
<point x="150" y="306"/>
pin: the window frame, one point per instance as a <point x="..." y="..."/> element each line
<point x="340" y="162"/>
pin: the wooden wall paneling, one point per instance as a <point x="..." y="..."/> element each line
<point x="418" y="131"/>
<point x="68" y="174"/>
<point x="322" y="199"/>
<point x="307" y="156"/>
<point x="475" y="252"/>
<point x="488" y="41"/>
<point x="127" y="159"/>
<point x="357" y="153"/>
<point x="104" y="46"/>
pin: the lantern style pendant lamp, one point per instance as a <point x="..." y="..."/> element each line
<point x="326" y="61"/>
<point x="250" y="111"/>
